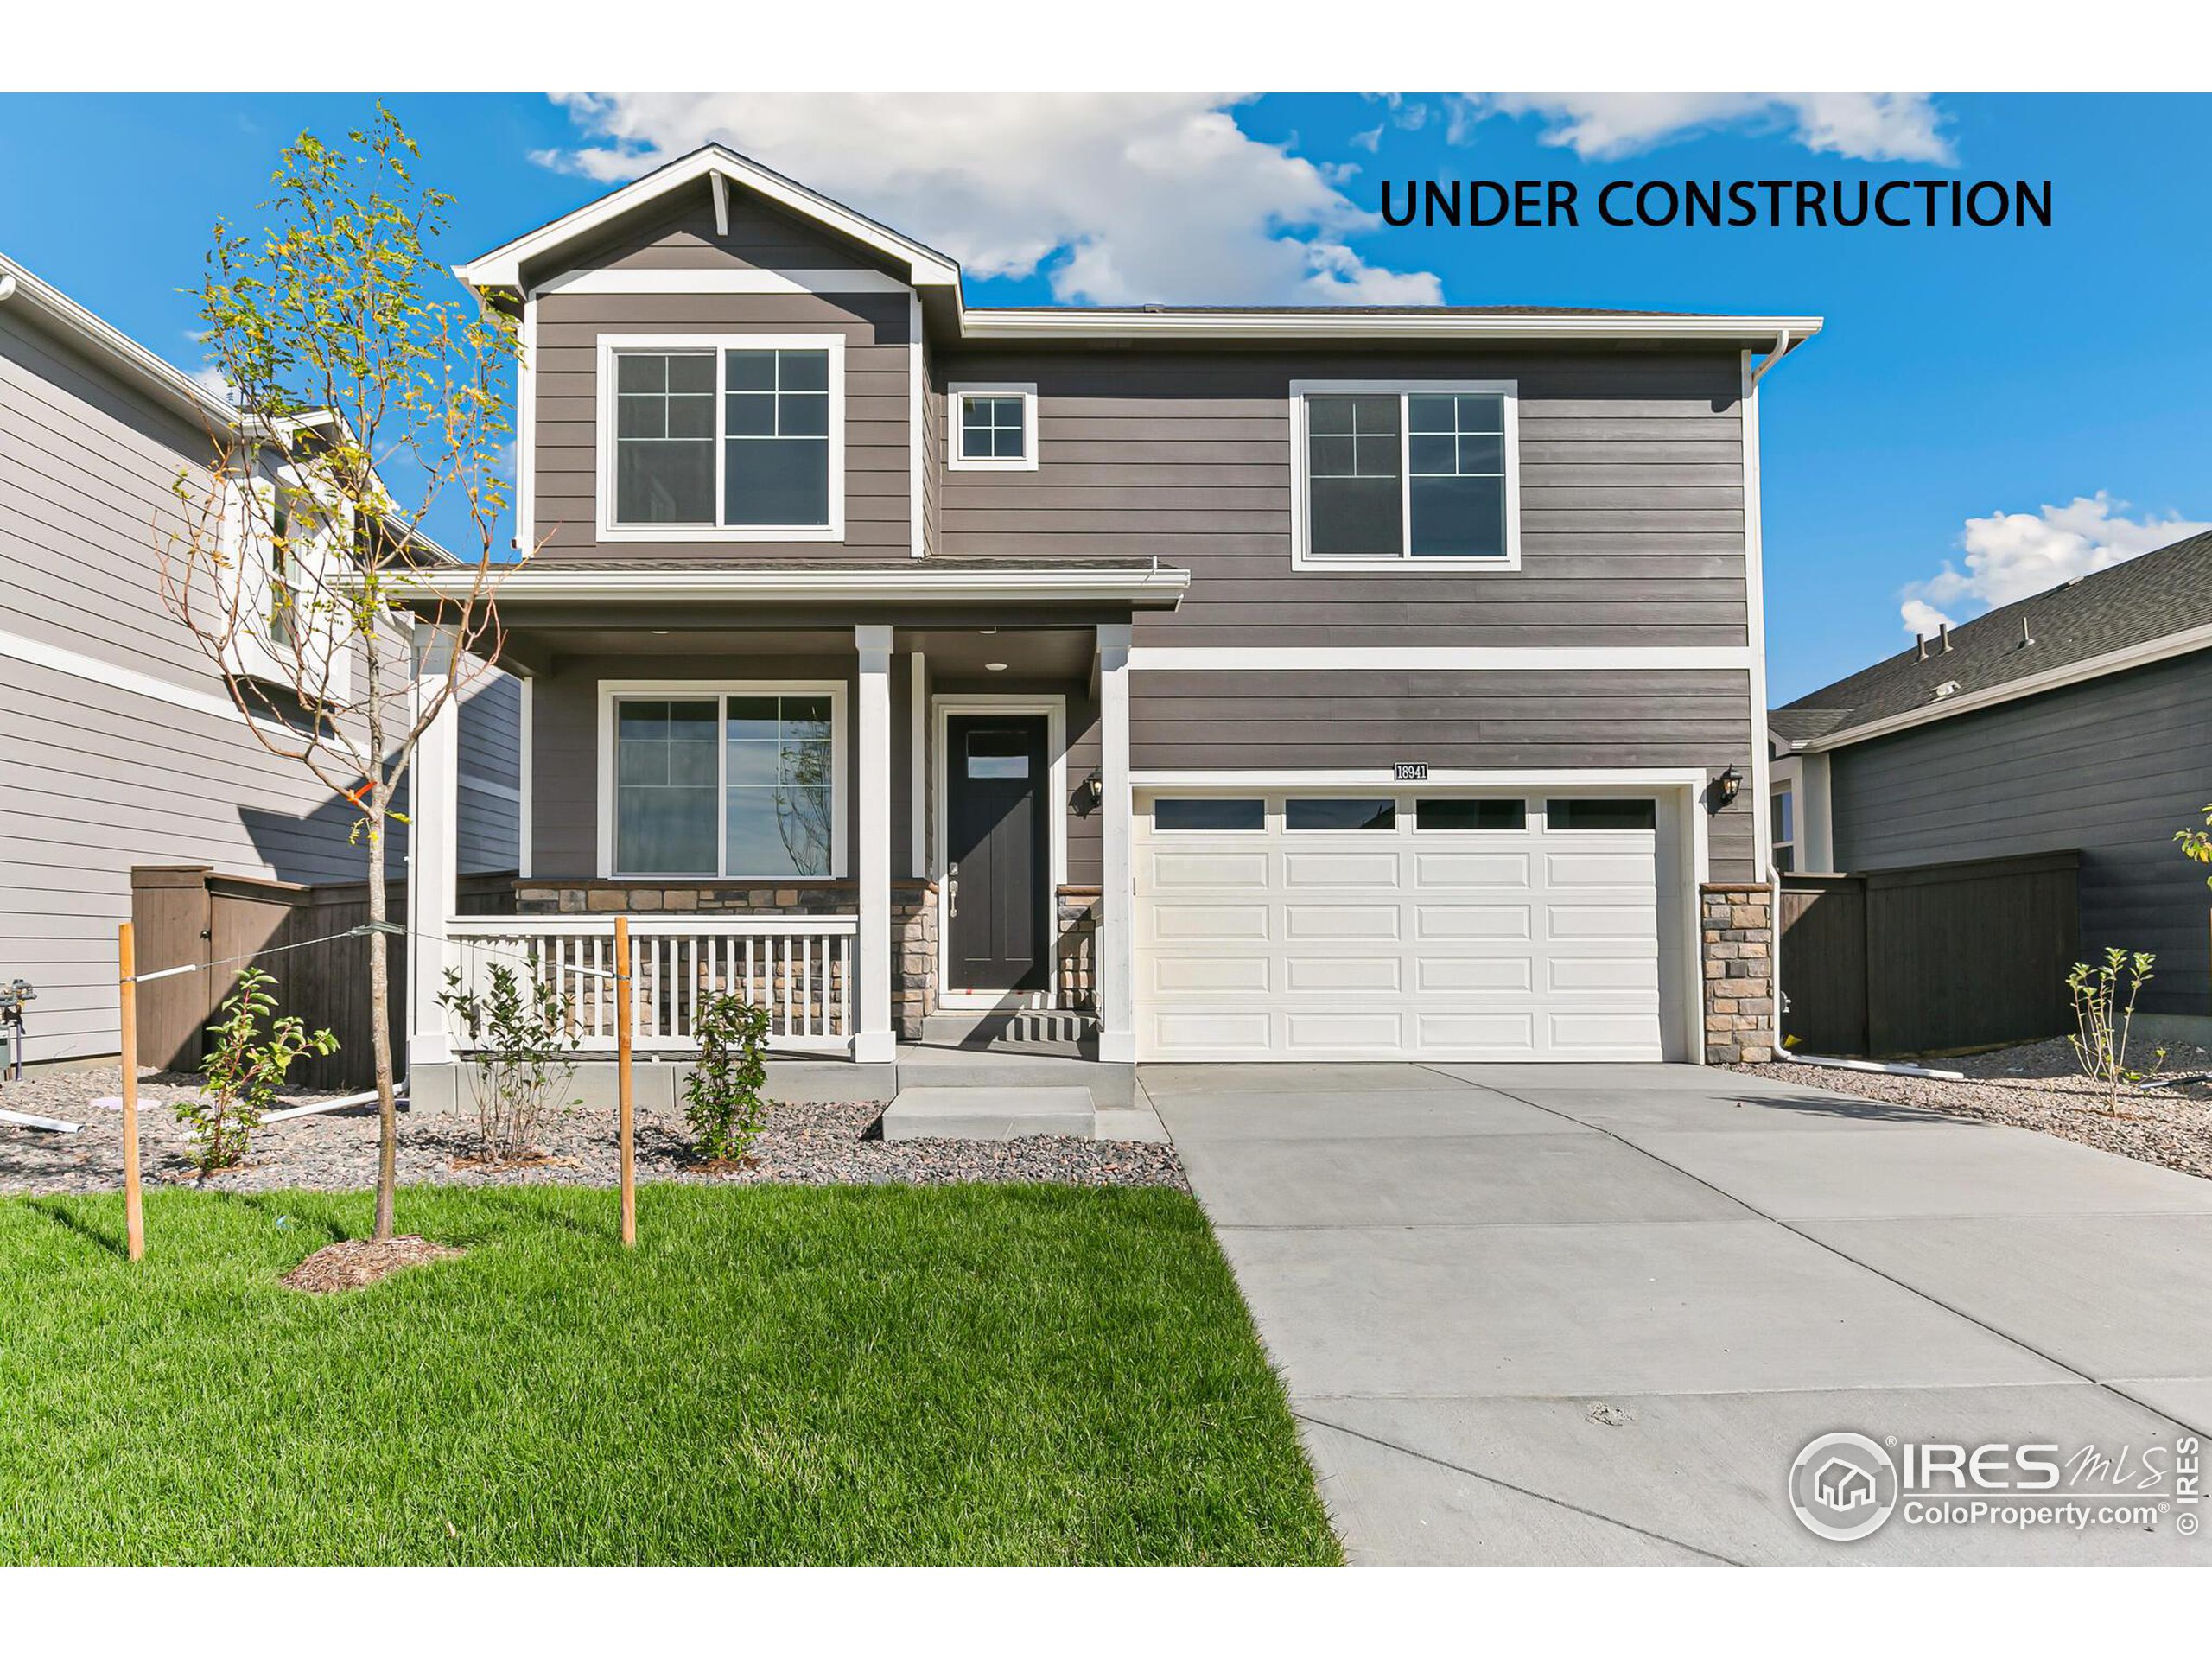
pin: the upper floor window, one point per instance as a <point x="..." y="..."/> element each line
<point x="1783" y="805"/>
<point x="1418" y="475"/>
<point x="994" y="428"/>
<point x="738" y="438"/>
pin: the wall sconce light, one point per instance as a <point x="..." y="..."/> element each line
<point x="1724" y="788"/>
<point x="1092" y="791"/>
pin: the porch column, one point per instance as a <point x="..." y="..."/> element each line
<point x="433" y="856"/>
<point x="1116" y="946"/>
<point x="875" y="1040"/>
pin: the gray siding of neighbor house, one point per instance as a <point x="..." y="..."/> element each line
<point x="96" y="773"/>
<point x="2112" y="767"/>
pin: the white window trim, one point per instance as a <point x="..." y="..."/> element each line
<point x="1302" y="558"/>
<point x="1026" y="390"/>
<point x="612" y="345"/>
<point x="1053" y="706"/>
<point x="610" y="692"/>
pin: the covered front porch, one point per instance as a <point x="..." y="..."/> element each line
<point x="883" y="822"/>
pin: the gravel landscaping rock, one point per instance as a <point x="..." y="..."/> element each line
<point x="811" y="1145"/>
<point x="2039" y="1086"/>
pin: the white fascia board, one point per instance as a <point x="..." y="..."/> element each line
<point x="502" y="267"/>
<point x="1966" y="702"/>
<point x="1464" y="658"/>
<point x="750" y="280"/>
<point x="107" y="344"/>
<point x="529" y="584"/>
<point x="1047" y="323"/>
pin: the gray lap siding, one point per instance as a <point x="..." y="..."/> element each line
<point x="878" y="480"/>
<point x="1632" y="496"/>
<point x="2113" y="766"/>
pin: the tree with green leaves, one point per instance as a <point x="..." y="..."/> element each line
<point x="367" y="391"/>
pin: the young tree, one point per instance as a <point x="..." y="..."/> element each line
<point x="362" y="401"/>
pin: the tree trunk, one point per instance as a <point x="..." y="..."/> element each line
<point x="380" y="1028"/>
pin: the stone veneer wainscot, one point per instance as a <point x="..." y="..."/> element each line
<point x="1737" y="929"/>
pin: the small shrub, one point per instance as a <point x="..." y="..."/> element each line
<point x="2197" y="844"/>
<point x="723" y="1101"/>
<point x="244" y="1072"/>
<point x="2104" y="1009"/>
<point x="523" y="1042"/>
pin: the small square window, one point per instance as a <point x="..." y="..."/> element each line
<point x="994" y="427"/>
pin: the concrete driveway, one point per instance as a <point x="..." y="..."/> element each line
<point x="1590" y="1314"/>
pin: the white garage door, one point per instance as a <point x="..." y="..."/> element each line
<point x="1273" y="926"/>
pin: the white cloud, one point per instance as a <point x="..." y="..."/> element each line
<point x="1606" y="126"/>
<point x="1119" y="200"/>
<point x="212" y="380"/>
<point x="2011" y="556"/>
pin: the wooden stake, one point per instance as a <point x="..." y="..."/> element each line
<point x="624" y="1115"/>
<point x="126" y="963"/>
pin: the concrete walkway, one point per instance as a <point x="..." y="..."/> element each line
<point x="1590" y="1314"/>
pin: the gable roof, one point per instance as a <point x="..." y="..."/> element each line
<point x="2157" y="605"/>
<point x="937" y="277"/>
<point x="721" y="167"/>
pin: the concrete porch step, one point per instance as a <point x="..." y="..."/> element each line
<point x="922" y="1066"/>
<point x="994" y="1114"/>
<point x="1026" y="1031"/>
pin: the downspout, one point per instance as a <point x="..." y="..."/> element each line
<point x="1755" y="606"/>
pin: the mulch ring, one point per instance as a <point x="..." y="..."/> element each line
<point x="352" y="1262"/>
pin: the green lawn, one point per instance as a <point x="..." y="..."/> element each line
<point x="948" y="1374"/>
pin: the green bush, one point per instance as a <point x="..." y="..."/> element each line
<point x="723" y="1101"/>
<point x="2104" y="1009"/>
<point x="521" y="1035"/>
<point x="244" y="1072"/>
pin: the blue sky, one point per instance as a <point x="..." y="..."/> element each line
<point x="1967" y="380"/>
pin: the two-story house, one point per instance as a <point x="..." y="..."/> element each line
<point x="1249" y="684"/>
<point x="121" y="744"/>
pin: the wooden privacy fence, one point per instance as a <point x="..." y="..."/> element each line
<point x="188" y="913"/>
<point x="1934" y="957"/>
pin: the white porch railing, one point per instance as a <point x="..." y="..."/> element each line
<point x="799" y="968"/>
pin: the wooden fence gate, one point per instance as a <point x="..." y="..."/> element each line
<point x="1935" y="958"/>
<point x="188" y="913"/>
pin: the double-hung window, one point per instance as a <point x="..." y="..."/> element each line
<point x="732" y="438"/>
<point x="1414" y="475"/>
<point x="739" y="781"/>
<point x="994" y="428"/>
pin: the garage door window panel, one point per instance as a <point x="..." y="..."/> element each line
<point x="1210" y="814"/>
<point x="1339" y="812"/>
<point x="1491" y="815"/>
<point x="1601" y="813"/>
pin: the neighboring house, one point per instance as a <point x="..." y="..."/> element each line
<point x="1365" y="683"/>
<point x="2079" y="718"/>
<point x="121" y="746"/>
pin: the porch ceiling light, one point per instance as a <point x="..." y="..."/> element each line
<point x="995" y="668"/>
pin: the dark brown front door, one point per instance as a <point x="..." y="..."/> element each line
<point x="995" y="771"/>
